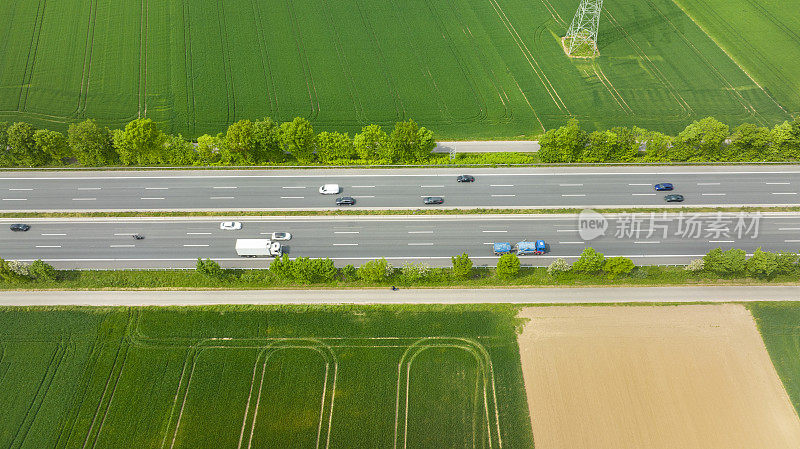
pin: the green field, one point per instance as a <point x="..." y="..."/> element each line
<point x="463" y="68"/>
<point x="406" y="376"/>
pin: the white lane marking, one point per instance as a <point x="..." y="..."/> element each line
<point x="644" y="194"/>
<point x="54" y="234"/>
<point x="495" y="231"/>
<point x="784" y="193"/>
<point x="578" y="194"/>
<point x="121" y="246"/>
<point x="571" y="243"/>
<point x="226" y="187"/>
<point x="345" y="244"/>
<point x="293" y="187"/>
<point x="421" y="232"/>
<point x="292" y="197"/>
<point x="791" y="241"/>
<point x="152" y="198"/>
<point x="420" y="244"/>
<point x="566" y="230"/>
<point x="638" y="184"/>
<point x="501" y="185"/>
<point x="84" y="199"/>
<point x="345" y="232"/>
<point x="15" y="199"/>
<point x="777" y="183"/>
<point x="129" y="233"/>
<point x="431" y="187"/>
<point x="221" y="198"/>
<point x="196" y="245"/>
<point x="20" y="189"/>
<point x="363" y="196"/>
<point x="504" y="195"/>
<point x="156" y="188"/>
<point x="426" y="196"/>
<point x="648" y="241"/>
<point x="48" y="246"/>
<point x="720" y="241"/>
<point x="789" y="229"/>
<point x="362" y="187"/>
<point x="570" y="185"/>
<point x="713" y="194"/>
<point x="90" y="188"/>
<point x="198" y="233"/>
<point x="488" y="243"/>
<point x="708" y="183"/>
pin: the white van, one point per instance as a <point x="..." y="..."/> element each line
<point x="329" y="189"/>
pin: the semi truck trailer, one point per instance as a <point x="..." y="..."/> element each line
<point x="258" y="248"/>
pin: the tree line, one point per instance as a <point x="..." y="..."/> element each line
<point x="706" y="140"/>
<point x="260" y="142"/>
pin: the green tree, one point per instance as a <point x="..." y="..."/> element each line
<point x="324" y="269"/>
<point x="749" y="143"/>
<point x="267" y="135"/>
<point x="600" y="146"/>
<point x="627" y="144"/>
<point x="558" y="266"/>
<point x="42" y="271"/>
<point x="372" y="143"/>
<point x="785" y="141"/>
<point x="349" y="273"/>
<point x="658" y="146"/>
<point x="333" y="147"/>
<point x="91" y="143"/>
<point x="53" y="144"/>
<point x="209" y="268"/>
<point x="297" y="139"/>
<point x="762" y="264"/>
<point x="787" y="262"/>
<point x="140" y="143"/>
<point x="702" y="140"/>
<point x="179" y="152"/>
<point x="281" y="267"/>
<point x="410" y="143"/>
<point x="240" y="146"/>
<point x="725" y="263"/>
<point x="508" y="266"/>
<point x="616" y="266"/>
<point x="24" y="150"/>
<point x="375" y="271"/>
<point x="302" y="270"/>
<point x="589" y="262"/>
<point x="563" y="144"/>
<point x="208" y="149"/>
<point x="462" y="266"/>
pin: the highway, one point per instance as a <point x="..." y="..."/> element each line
<point x="106" y="243"/>
<point x="552" y="187"/>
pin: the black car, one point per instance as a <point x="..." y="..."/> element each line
<point x="345" y="201"/>
<point x="465" y="178"/>
<point x="433" y="200"/>
<point x="674" y="198"/>
<point x="20" y="227"/>
<point x="138" y="236"/>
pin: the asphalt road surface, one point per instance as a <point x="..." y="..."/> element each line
<point x="178" y="242"/>
<point x="573" y="187"/>
<point x="419" y="296"/>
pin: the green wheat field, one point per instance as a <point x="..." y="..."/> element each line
<point x="463" y="68"/>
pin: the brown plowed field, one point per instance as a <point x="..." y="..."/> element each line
<point x="680" y="377"/>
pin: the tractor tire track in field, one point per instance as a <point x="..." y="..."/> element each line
<point x="737" y="96"/>
<point x="27" y="74"/>
<point x="227" y="63"/>
<point x="266" y="64"/>
<point x="751" y="50"/>
<point x="400" y="108"/>
<point x="358" y="104"/>
<point x="191" y="116"/>
<point x="551" y="90"/>
<point x="310" y="86"/>
<point x="87" y="59"/>
<point x="482" y="107"/>
<point x="41" y="392"/>
<point x="491" y="76"/>
<point x="554" y="13"/>
<point x="143" y="33"/>
<point x="610" y="88"/>
<point x="682" y="103"/>
<point x="70" y="420"/>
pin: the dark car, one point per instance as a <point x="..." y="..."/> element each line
<point x="465" y="178"/>
<point x="433" y="200"/>
<point x="345" y="201"/>
<point x="674" y="198"/>
<point x="19" y="227"/>
<point x="663" y="186"/>
<point x="138" y="236"/>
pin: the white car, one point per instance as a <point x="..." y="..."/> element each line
<point x="281" y="236"/>
<point x="230" y="225"/>
<point x="330" y="189"/>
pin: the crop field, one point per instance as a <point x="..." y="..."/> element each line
<point x="464" y="68"/>
<point x="261" y="377"/>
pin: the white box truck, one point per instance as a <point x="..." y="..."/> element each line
<point x="258" y="248"/>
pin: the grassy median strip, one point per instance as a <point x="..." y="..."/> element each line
<point x="356" y="212"/>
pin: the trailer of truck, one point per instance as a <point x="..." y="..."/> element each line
<point x="258" y="248"/>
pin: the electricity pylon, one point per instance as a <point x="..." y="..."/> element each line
<point x="581" y="38"/>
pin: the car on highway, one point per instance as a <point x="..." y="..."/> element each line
<point x="230" y="226"/>
<point x="465" y="178"/>
<point x="138" y="236"/>
<point x="345" y="201"/>
<point x="433" y="200"/>
<point x="19" y="227"/>
<point x="281" y="236"/>
<point x="674" y="198"/>
<point x="330" y="189"/>
<point x="663" y="186"/>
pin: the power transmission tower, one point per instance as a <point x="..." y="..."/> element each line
<point x="581" y="38"/>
